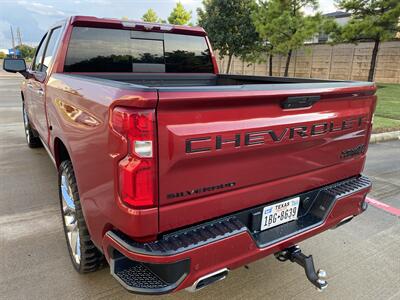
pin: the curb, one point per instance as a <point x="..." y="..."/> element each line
<point x="11" y="75"/>
<point x="384" y="137"/>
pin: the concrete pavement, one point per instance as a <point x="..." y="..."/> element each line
<point x="362" y="258"/>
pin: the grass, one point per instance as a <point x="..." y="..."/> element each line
<point x="385" y="124"/>
<point x="387" y="114"/>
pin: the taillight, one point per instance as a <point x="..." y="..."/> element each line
<point x="137" y="176"/>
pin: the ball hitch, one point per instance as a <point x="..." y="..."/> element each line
<point x="294" y="254"/>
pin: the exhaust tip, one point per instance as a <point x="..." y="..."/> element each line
<point x="343" y="221"/>
<point x="208" y="279"/>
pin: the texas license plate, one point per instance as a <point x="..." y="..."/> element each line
<point x="279" y="213"/>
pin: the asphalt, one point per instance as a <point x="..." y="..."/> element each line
<point x="362" y="258"/>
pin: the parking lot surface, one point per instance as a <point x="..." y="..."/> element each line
<point x="362" y="258"/>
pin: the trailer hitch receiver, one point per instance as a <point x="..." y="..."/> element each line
<point x="294" y="254"/>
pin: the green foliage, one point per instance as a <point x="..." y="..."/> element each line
<point x="2" y="55"/>
<point x="371" y="19"/>
<point x="284" y="24"/>
<point x="387" y="113"/>
<point x="26" y="51"/>
<point x="376" y="20"/>
<point x="179" y="15"/>
<point x="388" y="101"/>
<point x="230" y="27"/>
<point x="150" y="16"/>
<point x="330" y="27"/>
<point x="382" y="124"/>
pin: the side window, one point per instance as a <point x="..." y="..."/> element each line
<point x="99" y="50"/>
<point x="50" y="49"/>
<point x="36" y="65"/>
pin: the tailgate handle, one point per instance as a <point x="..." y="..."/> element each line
<point x="299" y="102"/>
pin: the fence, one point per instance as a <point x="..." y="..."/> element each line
<point x="343" y="61"/>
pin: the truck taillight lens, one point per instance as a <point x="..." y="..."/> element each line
<point x="137" y="175"/>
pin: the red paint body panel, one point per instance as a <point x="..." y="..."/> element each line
<point x="261" y="173"/>
<point x="77" y="109"/>
<point x="140" y="25"/>
<point x="96" y="150"/>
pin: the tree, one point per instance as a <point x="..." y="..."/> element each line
<point x="271" y="56"/>
<point x="230" y="28"/>
<point x="284" y="24"/>
<point x="179" y="15"/>
<point x="26" y="51"/>
<point x="150" y="16"/>
<point x="375" y="20"/>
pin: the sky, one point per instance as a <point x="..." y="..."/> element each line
<point x="33" y="17"/>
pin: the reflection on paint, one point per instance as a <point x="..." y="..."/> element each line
<point x="75" y="114"/>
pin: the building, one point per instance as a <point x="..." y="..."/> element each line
<point x="341" y="18"/>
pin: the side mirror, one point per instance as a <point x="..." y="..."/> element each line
<point x="15" y="65"/>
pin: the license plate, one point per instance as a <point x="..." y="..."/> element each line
<point x="279" y="213"/>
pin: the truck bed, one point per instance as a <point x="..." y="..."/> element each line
<point x="212" y="80"/>
<point x="226" y="143"/>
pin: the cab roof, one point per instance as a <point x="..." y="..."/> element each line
<point x="88" y="21"/>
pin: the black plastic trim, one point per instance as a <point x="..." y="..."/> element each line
<point x="207" y="82"/>
<point x="299" y="101"/>
<point x="146" y="278"/>
<point x="315" y="207"/>
<point x="183" y="240"/>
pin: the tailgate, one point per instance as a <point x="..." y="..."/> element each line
<point x="223" y="149"/>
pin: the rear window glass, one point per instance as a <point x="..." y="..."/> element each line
<point x="113" y="50"/>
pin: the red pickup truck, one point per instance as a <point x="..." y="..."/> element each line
<point x="175" y="174"/>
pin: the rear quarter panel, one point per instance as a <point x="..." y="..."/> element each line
<point x="78" y="113"/>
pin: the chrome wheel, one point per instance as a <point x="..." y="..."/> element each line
<point x="70" y="219"/>
<point x="32" y="140"/>
<point x="26" y="124"/>
<point x="85" y="256"/>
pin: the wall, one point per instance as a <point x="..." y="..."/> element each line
<point x="343" y="61"/>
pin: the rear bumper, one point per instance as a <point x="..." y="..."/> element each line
<point x="178" y="259"/>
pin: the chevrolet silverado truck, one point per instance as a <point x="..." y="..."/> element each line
<point x="175" y="174"/>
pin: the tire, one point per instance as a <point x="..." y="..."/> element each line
<point x="84" y="255"/>
<point x="31" y="139"/>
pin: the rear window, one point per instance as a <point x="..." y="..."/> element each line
<point x="114" y="50"/>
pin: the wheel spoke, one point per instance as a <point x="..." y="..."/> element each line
<point x="28" y="138"/>
<point x="70" y="220"/>
<point x="70" y="223"/>
<point x="78" y="247"/>
<point x="66" y="193"/>
<point x="26" y="124"/>
<point x="25" y="117"/>
<point x="74" y="239"/>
